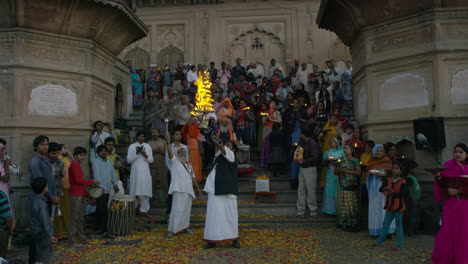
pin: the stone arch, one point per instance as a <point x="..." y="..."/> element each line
<point x="459" y="89"/>
<point x="268" y="46"/>
<point x="170" y="55"/>
<point x="138" y="57"/>
<point x="404" y="90"/>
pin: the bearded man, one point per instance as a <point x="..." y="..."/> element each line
<point x="181" y="189"/>
<point x="225" y="133"/>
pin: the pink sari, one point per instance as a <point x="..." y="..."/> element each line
<point x="451" y="244"/>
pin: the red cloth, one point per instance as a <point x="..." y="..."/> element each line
<point x="77" y="180"/>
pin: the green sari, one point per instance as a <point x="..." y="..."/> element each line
<point x="348" y="196"/>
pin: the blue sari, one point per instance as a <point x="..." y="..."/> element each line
<point x="330" y="191"/>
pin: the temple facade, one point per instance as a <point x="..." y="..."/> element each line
<point x="198" y="32"/>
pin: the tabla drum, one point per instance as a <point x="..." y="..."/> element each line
<point x="121" y="217"/>
<point x="96" y="192"/>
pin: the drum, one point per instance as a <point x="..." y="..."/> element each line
<point x="121" y="217"/>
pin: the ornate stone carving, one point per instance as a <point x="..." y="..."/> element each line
<point x="362" y="102"/>
<point x="171" y="35"/>
<point x="139" y="58"/>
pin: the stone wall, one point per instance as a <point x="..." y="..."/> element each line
<point x="203" y="33"/>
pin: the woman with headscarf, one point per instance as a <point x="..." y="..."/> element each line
<point x="226" y="112"/>
<point x="137" y="88"/>
<point x="451" y="244"/>
<point x="330" y="192"/>
<point x="378" y="162"/>
<point x="192" y="136"/>
<point x="329" y="131"/>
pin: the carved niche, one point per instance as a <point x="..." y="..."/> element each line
<point x="170" y="35"/>
<point x="257" y="45"/>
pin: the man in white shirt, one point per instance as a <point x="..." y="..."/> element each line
<point x="282" y="93"/>
<point x="140" y="156"/>
<point x="192" y="76"/>
<point x="99" y="136"/>
<point x="221" y="185"/>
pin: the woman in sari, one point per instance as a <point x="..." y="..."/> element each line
<point x="349" y="172"/>
<point x="378" y="161"/>
<point x="451" y="244"/>
<point x="330" y="192"/>
<point x="329" y="131"/>
<point x="274" y="116"/>
<point x="137" y="88"/>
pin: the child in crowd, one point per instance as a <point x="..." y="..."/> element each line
<point x="395" y="189"/>
<point x="345" y="135"/>
<point x="412" y="200"/>
<point x="6" y="223"/>
<point x="40" y="247"/>
<point x="77" y="197"/>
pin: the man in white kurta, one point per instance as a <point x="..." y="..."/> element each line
<point x="181" y="188"/>
<point x="140" y="156"/>
<point x="221" y="215"/>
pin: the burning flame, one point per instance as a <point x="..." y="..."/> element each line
<point x="263" y="114"/>
<point x="355" y="145"/>
<point x="203" y="99"/>
<point x="246" y="108"/>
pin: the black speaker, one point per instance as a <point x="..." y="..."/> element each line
<point x="429" y="133"/>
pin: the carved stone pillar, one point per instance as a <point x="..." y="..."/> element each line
<point x="59" y="73"/>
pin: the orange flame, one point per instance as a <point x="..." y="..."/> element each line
<point x="203" y="98"/>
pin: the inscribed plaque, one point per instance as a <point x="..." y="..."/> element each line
<point x="53" y="100"/>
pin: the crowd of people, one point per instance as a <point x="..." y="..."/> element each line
<point x="302" y="119"/>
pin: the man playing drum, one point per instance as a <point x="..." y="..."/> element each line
<point x="181" y="188"/>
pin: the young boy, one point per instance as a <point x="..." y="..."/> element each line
<point x="77" y="193"/>
<point x="116" y="161"/>
<point x="395" y="189"/>
<point x="412" y="200"/>
<point x="40" y="247"/>
<point x="103" y="171"/>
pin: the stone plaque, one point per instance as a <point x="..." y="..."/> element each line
<point x="53" y="100"/>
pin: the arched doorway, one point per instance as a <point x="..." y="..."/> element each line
<point x="139" y="58"/>
<point x="170" y="55"/>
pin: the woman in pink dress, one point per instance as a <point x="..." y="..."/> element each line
<point x="451" y="244"/>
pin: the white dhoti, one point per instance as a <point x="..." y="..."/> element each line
<point x="180" y="212"/>
<point x="221" y="219"/>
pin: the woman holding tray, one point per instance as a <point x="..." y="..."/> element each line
<point x="377" y="166"/>
<point x="451" y="187"/>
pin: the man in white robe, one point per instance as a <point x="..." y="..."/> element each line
<point x="221" y="185"/>
<point x="181" y="188"/>
<point x="140" y="176"/>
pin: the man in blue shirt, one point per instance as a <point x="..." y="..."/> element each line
<point x="104" y="172"/>
<point x="40" y="167"/>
